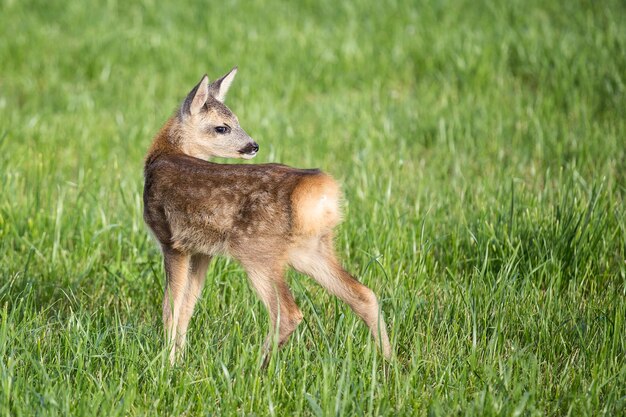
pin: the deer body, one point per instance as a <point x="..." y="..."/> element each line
<point x="267" y="216"/>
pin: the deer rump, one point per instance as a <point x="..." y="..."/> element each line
<point x="199" y="206"/>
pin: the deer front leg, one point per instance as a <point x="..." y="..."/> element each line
<point x="195" y="283"/>
<point x="177" y="276"/>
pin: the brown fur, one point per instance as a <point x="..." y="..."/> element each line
<point x="266" y="216"/>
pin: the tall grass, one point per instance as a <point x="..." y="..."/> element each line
<point x="482" y="151"/>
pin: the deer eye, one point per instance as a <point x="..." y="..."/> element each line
<point x="222" y="129"/>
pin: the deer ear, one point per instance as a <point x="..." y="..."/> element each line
<point x="197" y="97"/>
<point x="219" y="88"/>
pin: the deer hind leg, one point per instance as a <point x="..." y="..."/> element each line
<point x="269" y="283"/>
<point x="316" y="258"/>
<point x="177" y="276"/>
<point x="197" y="275"/>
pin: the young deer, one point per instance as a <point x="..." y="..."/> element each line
<point x="266" y="216"/>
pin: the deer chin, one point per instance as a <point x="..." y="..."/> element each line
<point x="248" y="155"/>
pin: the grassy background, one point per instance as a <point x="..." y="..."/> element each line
<point x="482" y="149"/>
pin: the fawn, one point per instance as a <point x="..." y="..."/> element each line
<point x="266" y="216"/>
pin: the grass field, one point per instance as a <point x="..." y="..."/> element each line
<point x="482" y="150"/>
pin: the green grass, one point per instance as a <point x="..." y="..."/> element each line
<point x="482" y="151"/>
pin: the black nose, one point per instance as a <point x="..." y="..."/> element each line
<point x="250" y="148"/>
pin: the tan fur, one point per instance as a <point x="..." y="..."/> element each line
<point x="175" y="298"/>
<point x="268" y="217"/>
<point x="316" y="258"/>
<point x="316" y="205"/>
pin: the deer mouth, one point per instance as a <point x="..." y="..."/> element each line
<point x="249" y="151"/>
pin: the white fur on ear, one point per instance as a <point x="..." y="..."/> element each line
<point x="200" y="96"/>
<point x="219" y="88"/>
